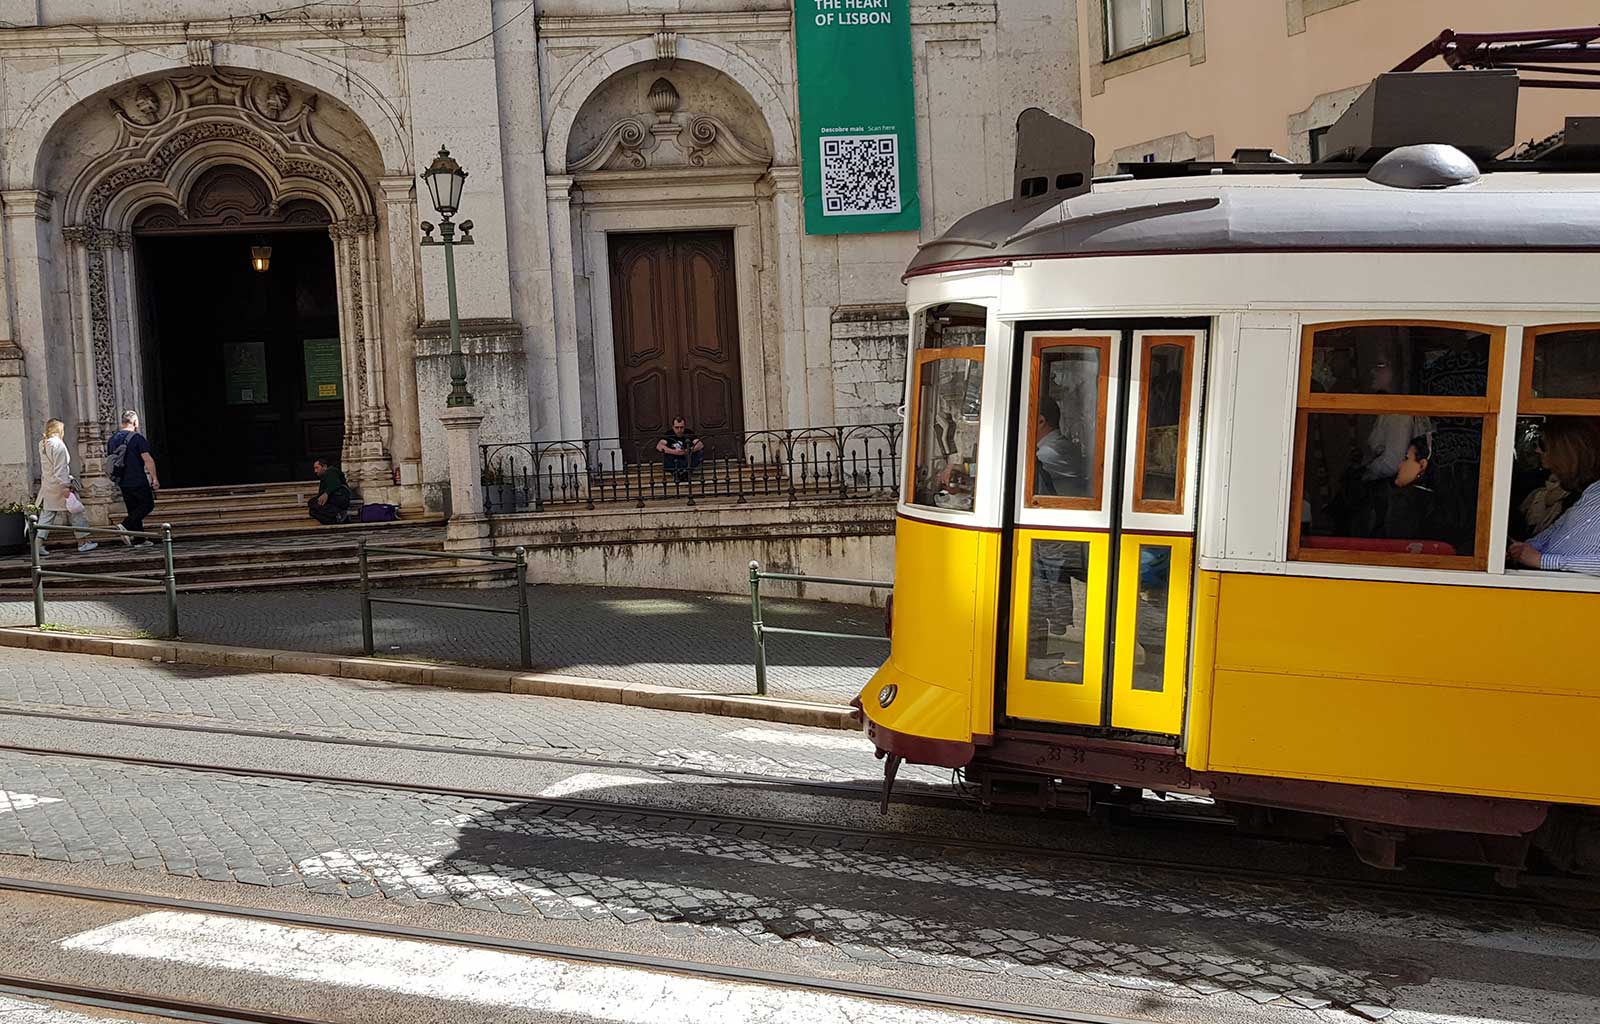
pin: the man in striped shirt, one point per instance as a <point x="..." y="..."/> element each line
<point x="1569" y="447"/>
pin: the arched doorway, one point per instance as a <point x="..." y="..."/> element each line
<point x="239" y="333"/>
<point x="172" y="179"/>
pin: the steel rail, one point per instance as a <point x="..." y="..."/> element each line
<point x="130" y="1002"/>
<point x="792" y="825"/>
<point x="578" y="954"/>
<point x="864" y="789"/>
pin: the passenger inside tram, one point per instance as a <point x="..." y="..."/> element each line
<point x="1569" y="447"/>
<point x="1367" y="485"/>
<point x="1062" y="467"/>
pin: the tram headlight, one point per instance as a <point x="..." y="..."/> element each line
<point x="887" y="695"/>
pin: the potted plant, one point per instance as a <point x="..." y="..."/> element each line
<point x="14" y="526"/>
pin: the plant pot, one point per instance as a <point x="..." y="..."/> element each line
<point x="13" y="533"/>
<point x="502" y="498"/>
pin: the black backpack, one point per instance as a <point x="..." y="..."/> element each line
<point x="117" y="460"/>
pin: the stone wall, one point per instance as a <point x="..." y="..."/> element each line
<point x="497" y="377"/>
<point x="869" y="359"/>
<point x="709" y="549"/>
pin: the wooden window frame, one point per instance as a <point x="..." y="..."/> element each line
<point x="914" y="433"/>
<point x="1103" y="344"/>
<point x="1486" y="409"/>
<point x="1147" y="351"/>
<point x="1530" y="405"/>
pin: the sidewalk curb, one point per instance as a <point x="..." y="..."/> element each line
<point x="457" y="677"/>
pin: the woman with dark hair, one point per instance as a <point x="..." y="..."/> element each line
<point x="1569" y="446"/>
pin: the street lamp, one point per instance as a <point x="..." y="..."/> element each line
<point x="445" y="178"/>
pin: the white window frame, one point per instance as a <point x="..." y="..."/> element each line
<point x="1150" y="38"/>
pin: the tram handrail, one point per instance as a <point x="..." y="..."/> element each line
<point x="517" y="563"/>
<point x="169" y="579"/>
<point x="760" y="629"/>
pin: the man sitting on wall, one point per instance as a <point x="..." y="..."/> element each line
<point x="681" y="452"/>
<point x="332" y="503"/>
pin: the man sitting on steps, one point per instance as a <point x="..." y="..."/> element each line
<point x="332" y="503"/>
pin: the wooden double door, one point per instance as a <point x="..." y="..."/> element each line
<point x="675" y="325"/>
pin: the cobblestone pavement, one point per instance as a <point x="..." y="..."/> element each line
<point x="881" y="901"/>
<point x="355" y="709"/>
<point x="669" y="638"/>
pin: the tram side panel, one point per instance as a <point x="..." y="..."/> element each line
<point x="1429" y="687"/>
<point x="942" y="655"/>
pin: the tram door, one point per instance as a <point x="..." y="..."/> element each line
<point x="1103" y="550"/>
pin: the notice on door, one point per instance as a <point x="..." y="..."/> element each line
<point x="245" y="372"/>
<point x="324" y="372"/>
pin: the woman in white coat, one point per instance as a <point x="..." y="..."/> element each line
<point x="55" y="486"/>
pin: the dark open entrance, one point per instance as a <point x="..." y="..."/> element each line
<point x="241" y="367"/>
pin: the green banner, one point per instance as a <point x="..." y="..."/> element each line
<point x="324" y="373"/>
<point x="858" y="137"/>
<point x="244" y="370"/>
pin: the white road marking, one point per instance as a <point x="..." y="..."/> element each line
<point x="585" y="782"/>
<point x="10" y="801"/>
<point x="19" y="1011"/>
<point x="426" y="877"/>
<point x="856" y="742"/>
<point x="626" y="995"/>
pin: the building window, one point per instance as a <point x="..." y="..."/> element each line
<point x="946" y="401"/>
<point x="1557" y="445"/>
<point x="1394" y="442"/>
<point x="1135" y="24"/>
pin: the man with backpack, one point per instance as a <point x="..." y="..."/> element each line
<point x="132" y="468"/>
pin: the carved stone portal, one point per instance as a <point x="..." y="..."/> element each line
<point x="227" y="151"/>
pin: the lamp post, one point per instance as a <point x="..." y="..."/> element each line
<point x="445" y="178"/>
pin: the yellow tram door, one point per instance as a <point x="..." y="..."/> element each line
<point x="1103" y="540"/>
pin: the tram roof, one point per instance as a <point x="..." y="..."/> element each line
<point x="1305" y="210"/>
<point x="1415" y="164"/>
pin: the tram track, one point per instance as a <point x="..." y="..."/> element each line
<point x="903" y="838"/>
<point x="180" y="1009"/>
<point x="167" y="1008"/>
<point x="912" y="792"/>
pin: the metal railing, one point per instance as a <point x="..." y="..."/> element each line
<point x="169" y="578"/>
<point x="859" y="462"/>
<point x="761" y="629"/>
<point x="518" y="562"/>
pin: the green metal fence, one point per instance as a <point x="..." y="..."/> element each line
<point x="518" y="562"/>
<point x="168" y="580"/>
<point x="761" y="629"/>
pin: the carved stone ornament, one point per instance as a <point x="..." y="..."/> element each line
<point x="667" y="138"/>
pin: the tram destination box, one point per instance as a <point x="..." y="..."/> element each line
<point x="1474" y="111"/>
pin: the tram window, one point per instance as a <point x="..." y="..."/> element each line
<point x="1395" y="421"/>
<point x="1058" y="599"/>
<point x="1400" y="359"/>
<point x="1427" y="505"/>
<point x="1150" y="618"/>
<point x="1564" y="364"/>
<point x="1163" y="414"/>
<point x="1069" y="390"/>
<point x="947" y="401"/>
<point x="1557" y="445"/>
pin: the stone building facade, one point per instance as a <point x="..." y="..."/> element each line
<point x="633" y="164"/>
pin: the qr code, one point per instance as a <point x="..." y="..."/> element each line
<point x="860" y="174"/>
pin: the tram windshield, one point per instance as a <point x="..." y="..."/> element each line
<point x="946" y="403"/>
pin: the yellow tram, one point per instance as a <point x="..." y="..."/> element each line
<point x="1155" y="530"/>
